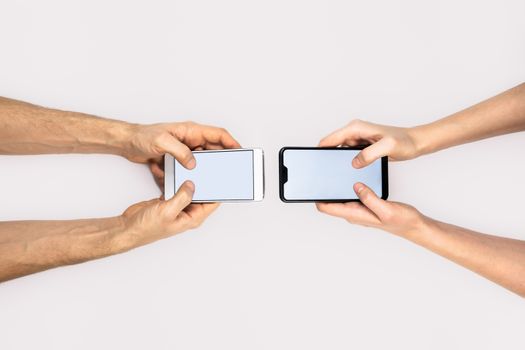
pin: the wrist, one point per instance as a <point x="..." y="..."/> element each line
<point x="102" y="239"/>
<point x="132" y="143"/>
<point x="420" y="227"/>
<point x="421" y="139"/>
<point x="124" y="237"/>
<point x="122" y="138"/>
<point x="85" y="133"/>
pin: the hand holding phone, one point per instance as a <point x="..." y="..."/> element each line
<point x="394" y="142"/>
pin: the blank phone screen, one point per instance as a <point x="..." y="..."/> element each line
<point x="327" y="174"/>
<point x="219" y="175"/>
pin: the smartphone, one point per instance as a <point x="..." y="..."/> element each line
<point x="229" y="175"/>
<point x="313" y="174"/>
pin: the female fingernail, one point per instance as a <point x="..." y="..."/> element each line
<point x="358" y="187"/>
<point x="191" y="164"/>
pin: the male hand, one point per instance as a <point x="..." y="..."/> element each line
<point x="152" y="220"/>
<point x="149" y="143"/>
<point x="394" y="142"/>
<point x="398" y="218"/>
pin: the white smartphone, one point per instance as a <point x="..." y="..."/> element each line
<point x="229" y="175"/>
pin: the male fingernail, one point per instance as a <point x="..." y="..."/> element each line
<point x="190" y="185"/>
<point x="191" y="164"/>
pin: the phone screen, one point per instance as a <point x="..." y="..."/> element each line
<point x="327" y="174"/>
<point x="219" y="175"/>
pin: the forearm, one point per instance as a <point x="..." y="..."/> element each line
<point x="30" y="129"/>
<point x="501" y="260"/>
<point x="30" y="246"/>
<point x="501" y="114"/>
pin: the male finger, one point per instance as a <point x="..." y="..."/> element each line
<point x="179" y="151"/>
<point x="194" y="214"/>
<point x="158" y="175"/>
<point x="199" y="212"/>
<point x="180" y="200"/>
<point x="212" y="134"/>
<point x="214" y="146"/>
<point x="156" y="170"/>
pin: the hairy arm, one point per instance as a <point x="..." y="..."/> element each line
<point x="31" y="246"/>
<point x="31" y="129"/>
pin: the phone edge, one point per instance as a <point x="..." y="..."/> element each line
<point x="259" y="180"/>
<point x="169" y="176"/>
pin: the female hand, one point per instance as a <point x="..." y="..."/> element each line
<point x="395" y="142"/>
<point x="398" y="218"/>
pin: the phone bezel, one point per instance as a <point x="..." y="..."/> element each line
<point x="283" y="174"/>
<point x="258" y="175"/>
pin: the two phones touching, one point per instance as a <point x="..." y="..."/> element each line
<point x="306" y="174"/>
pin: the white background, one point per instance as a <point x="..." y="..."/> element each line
<point x="267" y="275"/>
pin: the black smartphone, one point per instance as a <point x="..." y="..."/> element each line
<point x="326" y="174"/>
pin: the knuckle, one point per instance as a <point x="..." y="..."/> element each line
<point x="188" y="195"/>
<point x="179" y="127"/>
<point x="364" y="156"/>
<point x="185" y="127"/>
<point x="187" y="155"/>
<point x="364" y="195"/>
<point x="354" y="122"/>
